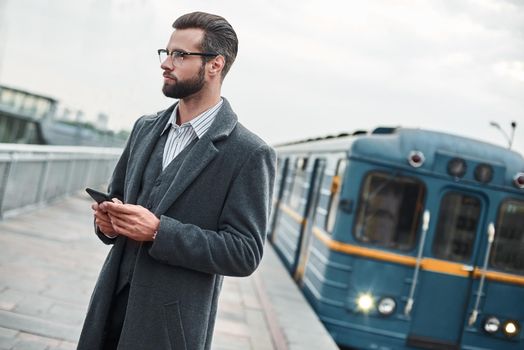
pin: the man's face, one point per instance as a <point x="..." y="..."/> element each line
<point x="187" y="77"/>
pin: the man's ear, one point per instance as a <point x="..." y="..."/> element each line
<point x="216" y="65"/>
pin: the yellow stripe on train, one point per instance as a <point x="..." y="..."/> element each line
<point x="428" y="264"/>
<point x="293" y="214"/>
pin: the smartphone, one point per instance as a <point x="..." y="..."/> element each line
<point x="99" y="197"/>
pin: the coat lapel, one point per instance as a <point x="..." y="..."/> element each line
<point x="146" y="139"/>
<point x="202" y="153"/>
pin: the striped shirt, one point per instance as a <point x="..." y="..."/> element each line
<point x="181" y="136"/>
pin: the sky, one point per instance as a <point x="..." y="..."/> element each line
<point x="304" y="69"/>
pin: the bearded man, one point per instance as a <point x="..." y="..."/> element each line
<point x="191" y="199"/>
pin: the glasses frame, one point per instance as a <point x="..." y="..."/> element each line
<point x="175" y="54"/>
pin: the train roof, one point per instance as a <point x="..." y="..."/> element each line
<point x="393" y="145"/>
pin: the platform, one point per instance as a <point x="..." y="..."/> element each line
<point x="49" y="261"/>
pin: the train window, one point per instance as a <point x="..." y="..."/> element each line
<point x="282" y="165"/>
<point x="336" y="185"/>
<point x="296" y="190"/>
<point x="288" y="181"/>
<point x="508" y="248"/>
<point x="390" y="209"/>
<point x="456" y="227"/>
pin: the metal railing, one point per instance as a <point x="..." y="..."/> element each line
<point x="33" y="175"/>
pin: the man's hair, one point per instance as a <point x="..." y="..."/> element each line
<point x="219" y="35"/>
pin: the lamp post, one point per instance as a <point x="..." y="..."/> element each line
<point x="508" y="138"/>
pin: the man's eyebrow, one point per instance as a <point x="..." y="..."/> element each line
<point x="176" y="48"/>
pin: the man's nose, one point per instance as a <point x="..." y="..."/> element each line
<point x="167" y="64"/>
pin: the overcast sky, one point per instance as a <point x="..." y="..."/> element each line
<point x="305" y="68"/>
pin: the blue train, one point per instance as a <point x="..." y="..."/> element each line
<point x="405" y="238"/>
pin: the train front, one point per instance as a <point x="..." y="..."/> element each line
<point x="428" y="249"/>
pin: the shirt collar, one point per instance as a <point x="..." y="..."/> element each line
<point x="200" y="124"/>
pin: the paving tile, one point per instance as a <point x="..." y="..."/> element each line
<point x="38" y="326"/>
<point x="9" y="299"/>
<point x="32" y="338"/>
<point x="69" y="313"/>
<point x="248" y="294"/>
<point x="20" y="282"/>
<point x="64" y="346"/>
<point x="8" y="333"/>
<point x="231" y="311"/>
<point x="260" y="335"/>
<point x="240" y="329"/>
<point x="7" y="343"/>
<point x="229" y="342"/>
<point x="29" y="345"/>
<point x="33" y="304"/>
<point x="66" y="293"/>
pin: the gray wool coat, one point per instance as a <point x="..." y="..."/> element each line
<point x="213" y="220"/>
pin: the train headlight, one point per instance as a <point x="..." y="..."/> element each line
<point x="519" y="180"/>
<point x="511" y="328"/>
<point x="386" y="306"/>
<point x="457" y="167"/>
<point x="492" y="325"/>
<point x="416" y="159"/>
<point x="483" y="173"/>
<point x="365" y="302"/>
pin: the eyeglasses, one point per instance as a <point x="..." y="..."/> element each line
<point x="178" y="56"/>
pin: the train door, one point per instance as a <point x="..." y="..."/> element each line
<point x="443" y="284"/>
<point x="324" y="207"/>
<point x="314" y="193"/>
<point x="292" y="208"/>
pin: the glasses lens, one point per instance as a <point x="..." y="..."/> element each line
<point x="162" y="55"/>
<point x="178" y="58"/>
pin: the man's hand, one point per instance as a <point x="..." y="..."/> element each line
<point x="102" y="220"/>
<point x="133" y="221"/>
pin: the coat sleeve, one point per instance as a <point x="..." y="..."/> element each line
<point x="117" y="182"/>
<point x="236" y="248"/>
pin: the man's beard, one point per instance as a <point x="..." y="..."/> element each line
<point x="184" y="88"/>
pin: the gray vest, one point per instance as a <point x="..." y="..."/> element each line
<point x="155" y="183"/>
